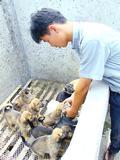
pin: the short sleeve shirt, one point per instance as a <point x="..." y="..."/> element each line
<point x="98" y="47"/>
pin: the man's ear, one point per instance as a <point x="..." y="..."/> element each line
<point x="52" y="27"/>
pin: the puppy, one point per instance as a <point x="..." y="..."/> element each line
<point x="23" y="123"/>
<point x="68" y="133"/>
<point x="67" y="91"/>
<point x="11" y="116"/>
<point x="34" y="109"/>
<point x="74" y="83"/>
<point x="34" y="106"/>
<point x="26" y="95"/>
<point x="21" y="101"/>
<point x="54" y="117"/>
<point x="48" y="144"/>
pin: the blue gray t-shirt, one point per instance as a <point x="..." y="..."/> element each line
<point x="99" y="49"/>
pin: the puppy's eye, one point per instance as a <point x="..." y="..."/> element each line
<point x="7" y="108"/>
<point x="13" y="125"/>
<point x="26" y="91"/>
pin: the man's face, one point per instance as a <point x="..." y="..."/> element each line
<point x="56" y="37"/>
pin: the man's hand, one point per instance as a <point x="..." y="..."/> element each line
<point x="68" y="100"/>
<point x="78" y="97"/>
<point x="69" y="111"/>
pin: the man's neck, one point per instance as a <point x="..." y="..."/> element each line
<point x="69" y="31"/>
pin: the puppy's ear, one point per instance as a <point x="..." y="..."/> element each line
<point x="22" y="119"/>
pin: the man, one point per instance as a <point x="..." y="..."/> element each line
<point x="99" y="49"/>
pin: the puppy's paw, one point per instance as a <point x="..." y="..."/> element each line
<point x="57" y="134"/>
<point x="26" y="115"/>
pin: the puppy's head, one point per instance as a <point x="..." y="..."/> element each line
<point x="8" y="107"/>
<point x="18" y="103"/>
<point x="69" y="88"/>
<point x="25" y="93"/>
<point x="67" y="132"/>
<point x="35" y="104"/>
<point x="25" y="116"/>
<point x="57" y="134"/>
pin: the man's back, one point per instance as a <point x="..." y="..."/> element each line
<point x="99" y="50"/>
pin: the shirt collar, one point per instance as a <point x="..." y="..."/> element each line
<point x="76" y="36"/>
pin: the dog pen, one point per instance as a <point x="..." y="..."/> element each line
<point x="88" y="131"/>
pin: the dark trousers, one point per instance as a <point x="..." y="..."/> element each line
<point x="114" y="101"/>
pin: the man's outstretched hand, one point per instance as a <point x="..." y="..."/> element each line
<point x="69" y="111"/>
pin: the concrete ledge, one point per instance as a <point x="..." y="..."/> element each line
<point x="86" y="140"/>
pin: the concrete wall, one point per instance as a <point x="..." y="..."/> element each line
<point x="21" y="58"/>
<point x="12" y="64"/>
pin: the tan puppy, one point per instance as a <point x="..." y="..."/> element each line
<point x="74" y="83"/>
<point x="68" y="133"/>
<point x="23" y="124"/>
<point x="34" y="109"/>
<point x="34" y="106"/>
<point x="22" y="104"/>
<point x="11" y="116"/>
<point x="48" y="144"/>
<point x="51" y="118"/>
<point x="70" y="87"/>
<point x="26" y="95"/>
<point x="21" y="101"/>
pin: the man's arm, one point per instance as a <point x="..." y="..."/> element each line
<point x="78" y="96"/>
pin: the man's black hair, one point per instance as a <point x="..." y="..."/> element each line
<point x="42" y="19"/>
